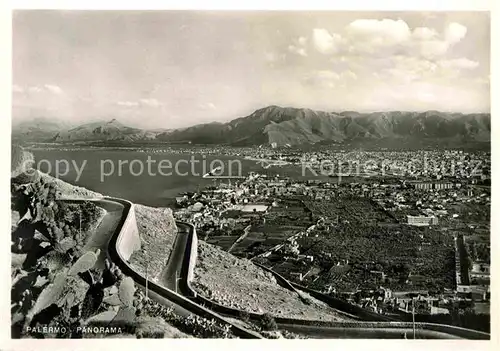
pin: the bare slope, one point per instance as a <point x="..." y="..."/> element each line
<point x="157" y="230"/>
<point x="238" y="283"/>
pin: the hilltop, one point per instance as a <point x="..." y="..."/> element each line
<point x="103" y="131"/>
<point x="38" y="129"/>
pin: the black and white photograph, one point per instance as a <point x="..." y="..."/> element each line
<point x="250" y="174"/>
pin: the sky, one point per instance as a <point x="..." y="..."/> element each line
<point x="172" y="69"/>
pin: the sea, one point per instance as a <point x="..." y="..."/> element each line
<point x="152" y="178"/>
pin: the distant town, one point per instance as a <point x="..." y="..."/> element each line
<point x="395" y="245"/>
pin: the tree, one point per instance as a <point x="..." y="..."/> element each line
<point x="406" y="269"/>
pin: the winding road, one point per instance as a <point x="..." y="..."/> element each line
<point x="319" y="329"/>
<point x="173" y="271"/>
<point x="175" y="289"/>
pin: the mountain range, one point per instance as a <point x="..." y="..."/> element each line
<point x="292" y="126"/>
<point x="104" y="131"/>
<point x="282" y="126"/>
<point x="37" y="129"/>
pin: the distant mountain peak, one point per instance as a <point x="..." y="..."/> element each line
<point x="276" y="125"/>
<point x="104" y="130"/>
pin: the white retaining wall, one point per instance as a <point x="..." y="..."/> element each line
<point x="127" y="244"/>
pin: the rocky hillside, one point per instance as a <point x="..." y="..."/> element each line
<point x="240" y="284"/>
<point x="20" y="159"/>
<point x="292" y="126"/>
<point x="56" y="281"/>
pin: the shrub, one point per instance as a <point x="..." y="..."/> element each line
<point x="26" y="178"/>
<point x="56" y="261"/>
<point x="64" y="245"/>
<point x="150" y="327"/>
<point x="268" y="323"/>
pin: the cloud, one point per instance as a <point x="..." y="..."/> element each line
<point x="139" y="103"/>
<point x="321" y="79"/>
<point x="329" y="75"/>
<point x="299" y="47"/>
<point x="297" y="50"/>
<point x="348" y="75"/>
<point x="455" y="32"/>
<point x="400" y="55"/>
<point x="272" y="57"/>
<point x="419" y="95"/>
<point x="327" y="79"/>
<point x="17" y="89"/>
<point x="46" y="88"/>
<point x="326" y="42"/>
<point x="127" y="103"/>
<point x="53" y="89"/>
<point x="150" y="102"/>
<point x="429" y="44"/>
<point x="379" y="32"/>
<point x="402" y="69"/>
<point x="373" y="37"/>
<point x="400" y="75"/>
<point x="424" y="33"/>
<point x="430" y="49"/>
<point x="425" y="96"/>
<point x="208" y="106"/>
<point x="34" y="90"/>
<point x="460" y="63"/>
<point x="389" y="37"/>
<point x="483" y="80"/>
<point x="414" y="64"/>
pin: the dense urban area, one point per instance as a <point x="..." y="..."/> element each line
<point x="407" y="234"/>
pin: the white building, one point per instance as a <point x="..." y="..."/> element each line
<point x="422" y="220"/>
